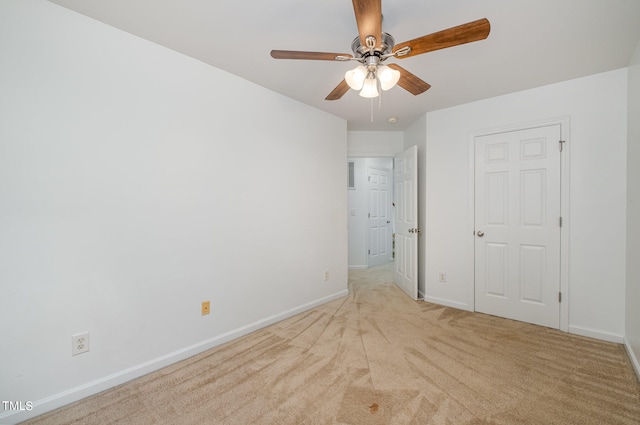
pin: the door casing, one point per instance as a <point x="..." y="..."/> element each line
<point x="564" y="123"/>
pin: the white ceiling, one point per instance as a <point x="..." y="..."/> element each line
<point x="532" y="43"/>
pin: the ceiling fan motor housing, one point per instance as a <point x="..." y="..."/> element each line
<point x="360" y="51"/>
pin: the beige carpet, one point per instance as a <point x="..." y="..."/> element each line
<point x="377" y="357"/>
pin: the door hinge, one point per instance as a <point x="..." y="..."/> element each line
<point x="560" y="221"/>
<point x="369" y="252"/>
<point x="559" y="297"/>
<point x="562" y="142"/>
<point x="368" y="215"/>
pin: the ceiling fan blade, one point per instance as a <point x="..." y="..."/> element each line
<point x="465" y="33"/>
<point x="410" y="82"/>
<point x="339" y="91"/>
<point x="320" y="56"/>
<point x="369" y="19"/>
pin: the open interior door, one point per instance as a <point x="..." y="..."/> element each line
<point x="406" y="221"/>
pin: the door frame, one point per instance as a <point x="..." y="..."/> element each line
<point x="565" y="129"/>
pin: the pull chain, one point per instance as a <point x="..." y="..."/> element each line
<point x="379" y="100"/>
<point x="371" y="109"/>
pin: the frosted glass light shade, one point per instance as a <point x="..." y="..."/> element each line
<point x="370" y="88"/>
<point x="355" y="77"/>
<point x="388" y="77"/>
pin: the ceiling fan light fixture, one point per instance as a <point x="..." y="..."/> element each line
<point x="388" y="77"/>
<point x="355" y="77"/>
<point x="370" y="88"/>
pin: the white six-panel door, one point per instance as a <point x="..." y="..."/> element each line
<point x="380" y="233"/>
<point x="517" y="225"/>
<point x="406" y="221"/>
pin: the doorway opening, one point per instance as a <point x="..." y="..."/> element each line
<point x="370" y="206"/>
<point x="383" y="216"/>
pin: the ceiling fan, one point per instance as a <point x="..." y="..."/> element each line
<point x="373" y="47"/>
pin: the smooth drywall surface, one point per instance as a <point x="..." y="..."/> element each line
<point x="136" y="183"/>
<point x="374" y="143"/>
<point x="416" y="135"/>
<point x="633" y="213"/>
<point x="597" y="108"/>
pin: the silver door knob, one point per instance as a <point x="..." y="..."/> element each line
<point x="480" y="233"/>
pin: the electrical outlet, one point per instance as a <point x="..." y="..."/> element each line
<point x="79" y="343"/>
<point x="326" y="275"/>
<point x="443" y="277"/>
<point x="206" y="308"/>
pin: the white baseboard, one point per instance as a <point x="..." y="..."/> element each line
<point x="74" y="394"/>
<point x="448" y="303"/>
<point x="597" y="334"/>
<point x="632" y="357"/>
<point x="577" y="330"/>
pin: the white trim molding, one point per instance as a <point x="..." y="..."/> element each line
<point x="77" y="393"/>
<point x="632" y="356"/>
<point x="448" y="303"/>
<point x="596" y="334"/>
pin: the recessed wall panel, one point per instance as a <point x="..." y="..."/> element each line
<point x="383" y="203"/>
<point x="533" y="197"/>
<point x="383" y="235"/>
<point x="496" y="153"/>
<point x="532" y="273"/>
<point x="400" y="198"/>
<point x="373" y="241"/>
<point x="401" y="253"/>
<point x="533" y="149"/>
<point x="408" y="199"/>
<point x="497" y="198"/>
<point x="374" y="203"/>
<point x="496" y="269"/>
<point x="408" y="256"/>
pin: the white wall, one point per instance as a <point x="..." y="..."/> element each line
<point x="633" y="214"/>
<point x="597" y="107"/>
<point x="374" y="143"/>
<point x="416" y="135"/>
<point x="135" y="183"/>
